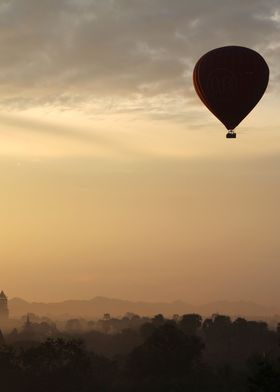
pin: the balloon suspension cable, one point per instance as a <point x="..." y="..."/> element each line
<point x="231" y="134"/>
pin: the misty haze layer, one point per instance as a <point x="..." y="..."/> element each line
<point x="115" y="181"/>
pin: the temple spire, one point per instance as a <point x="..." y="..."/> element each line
<point x="4" y="311"/>
<point x="3" y="295"/>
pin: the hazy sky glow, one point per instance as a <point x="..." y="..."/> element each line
<point x="115" y="180"/>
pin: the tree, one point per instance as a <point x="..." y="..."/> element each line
<point x="168" y="351"/>
<point x="264" y="375"/>
<point x="56" y="364"/>
<point x="10" y="378"/>
<point x="158" y="320"/>
<point x="190" y="323"/>
<point x="147" y="329"/>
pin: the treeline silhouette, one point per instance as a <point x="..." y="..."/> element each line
<point x="161" y="355"/>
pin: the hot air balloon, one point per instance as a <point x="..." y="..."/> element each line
<point x="230" y="81"/>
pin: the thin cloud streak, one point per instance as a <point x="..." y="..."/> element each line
<point x="90" y="138"/>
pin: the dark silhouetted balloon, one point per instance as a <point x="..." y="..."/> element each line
<point x="230" y="81"/>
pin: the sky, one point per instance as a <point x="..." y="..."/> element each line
<point x="115" y="180"/>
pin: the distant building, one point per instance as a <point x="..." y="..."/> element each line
<point x="4" y="311"/>
<point x="28" y="325"/>
<point x="2" y="340"/>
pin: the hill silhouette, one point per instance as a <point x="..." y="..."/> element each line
<point x="96" y="307"/>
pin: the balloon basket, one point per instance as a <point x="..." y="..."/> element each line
<point x="231" y="135"/>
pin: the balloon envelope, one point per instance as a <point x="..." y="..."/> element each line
<point x="230" y="81"/>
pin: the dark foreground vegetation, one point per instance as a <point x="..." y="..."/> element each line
<point x="159" y="355"/>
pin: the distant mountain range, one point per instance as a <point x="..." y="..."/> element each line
<point x="96" y="307"/>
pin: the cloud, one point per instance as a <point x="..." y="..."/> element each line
<point x="93" y="140"/>
<point x="54" y="50"/>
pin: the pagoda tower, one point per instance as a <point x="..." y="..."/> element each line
<point x="4" y="311"/>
